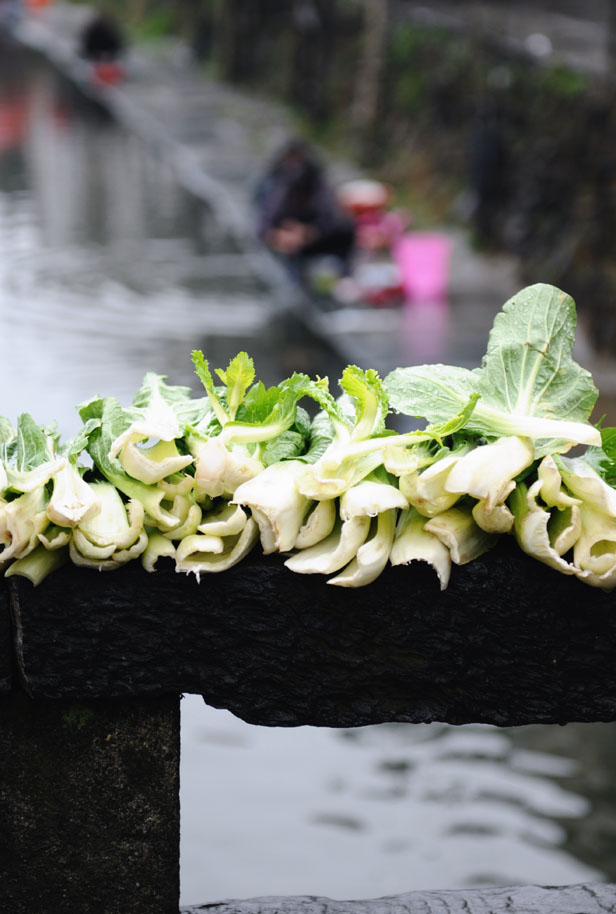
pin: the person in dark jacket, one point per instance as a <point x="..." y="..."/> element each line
<point x="299" y="216"/>
<point x="101" y="39"/>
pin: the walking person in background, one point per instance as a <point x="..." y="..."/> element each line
<point x="102" y="44"/>
<point x="101" y="39"/>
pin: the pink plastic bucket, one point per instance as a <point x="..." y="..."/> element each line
<point x="423" y="260"/>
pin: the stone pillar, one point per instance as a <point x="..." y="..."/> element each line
<point x="89" y="805"/>
<point x="6" y="641"/>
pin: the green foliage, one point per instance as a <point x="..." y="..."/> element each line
<point x="563" y="81"/>
<point x="409" y="91"/>
<point x="156" y="24"/>
<point x="405" y="42"/>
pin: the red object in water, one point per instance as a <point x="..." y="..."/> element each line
<point x="108" y="73"/>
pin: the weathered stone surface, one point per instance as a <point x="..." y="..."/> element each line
<point x="575" y="899"/>
<point x="89" y="806"/>
<point x="509" y="642"/>
<point x="6" y="647"/>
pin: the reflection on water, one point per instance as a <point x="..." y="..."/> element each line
<point x="427" y="330"/>
<point x="371" y="811"/>
<point x="107" y="270"/>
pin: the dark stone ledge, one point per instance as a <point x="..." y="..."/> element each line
<point x="574" y="899"/>
<point x="6" y="647"/>
<point x="509" y="642"/>
<point x="89" y="806"/>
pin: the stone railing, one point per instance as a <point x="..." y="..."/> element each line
<point x="92" y="667"/>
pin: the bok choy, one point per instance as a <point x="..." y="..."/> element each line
<point x="198" y="481"/>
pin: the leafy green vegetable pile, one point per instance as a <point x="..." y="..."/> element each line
<point x="200" y="481"/>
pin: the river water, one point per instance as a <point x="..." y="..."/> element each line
<point x="108" y="269"/>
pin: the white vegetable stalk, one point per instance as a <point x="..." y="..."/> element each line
<point x="336" y="472"/>
<point x="201" y="553"/>
<point x="241" y="467"/>
<point x="21" y="521"/>
<point x="346" y="463"/>
<point x="372" y="556"/>
<point x="595" y="550"/>
<point x="133" y="551"/>
<point x="552" y="491"/>
<point x="72" y="500"/>
<point x="115" y="524"/>
<point x="158" y="421"/>
<point x="158" y="547"/>
<point x="38" y="564"/>
<point x="113" y="536"/>
<point x="426" y="491"/>
<point x="28" y="480"/>
<point x="487" y="472"/>
<point x="220" y="471"/>
<point x="266" y="531"/>
<point x="370" y="498"/>
<point x="538" y="428"/>
<point x="82" y="553"/>
<point x="210" y="467"/>
<point x="456" y="529"/>
<point x="334" y="552"/>
<point x="585" y="484"/>
<point x="402" y="461"/>
<point x="315" y="485"/>
<point x="276" y="503"/>
<point x="81" y="544"/>
<point x="153" y="464"/>
<point x="413" y="543"/>
<point x="178" y="513"/>
<point x="198" y="543"/>
<point x="228" y="521"/>
<point x="592" y="507"/>
<point x="178" y="484"/>
<point x="318" y="525"/>
<point x="55" y="537"/>
<point x="536" y="532"/>
<point x="190" y="524"/>
<point x="152" y="499"/>
<point x="497" y="519"/>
